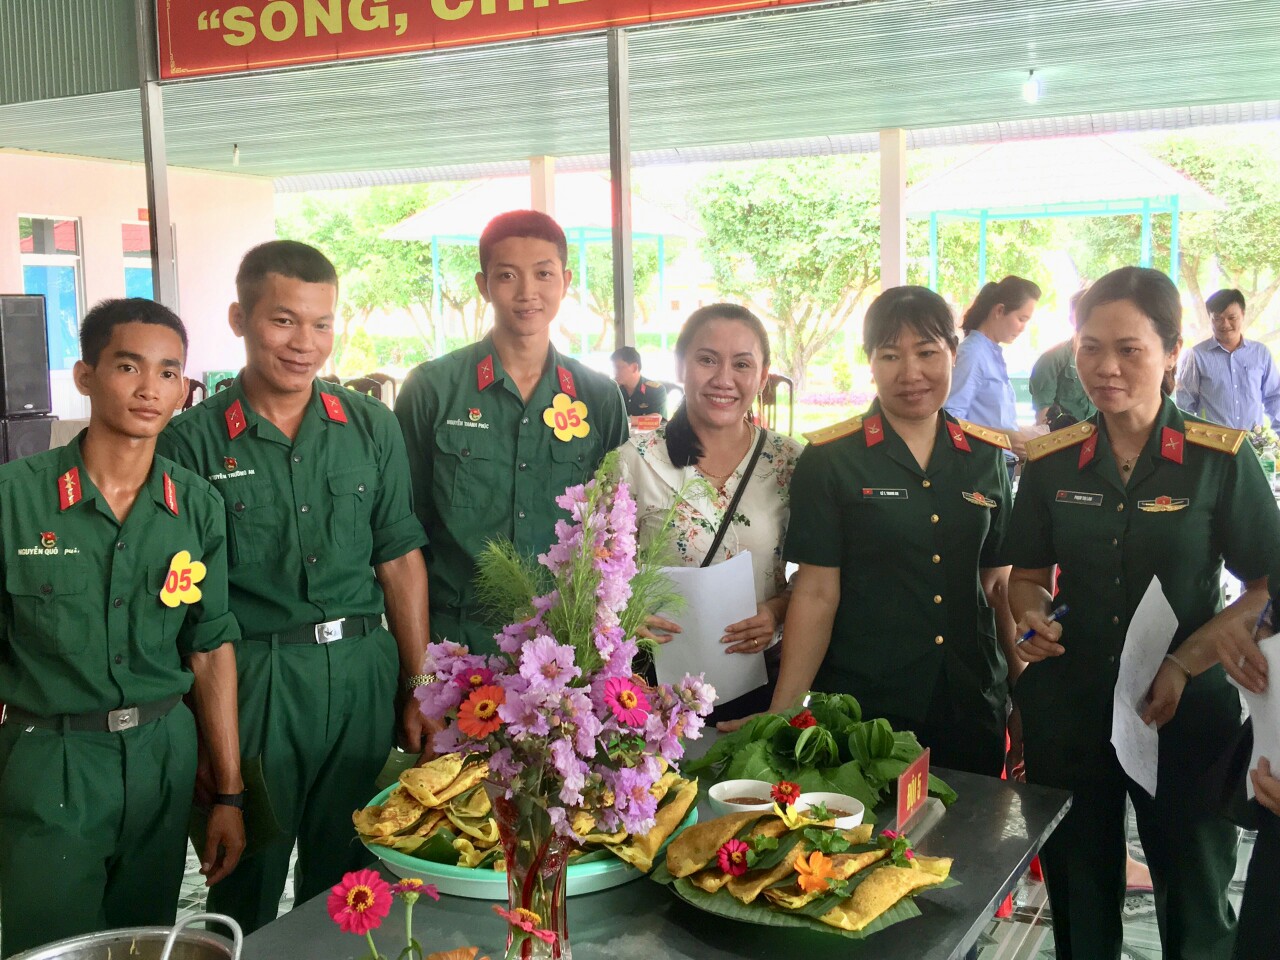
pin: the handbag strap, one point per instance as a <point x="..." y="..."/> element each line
<point x="737" y="498"/>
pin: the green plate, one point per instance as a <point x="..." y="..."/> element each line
<point x="485" y="883"/>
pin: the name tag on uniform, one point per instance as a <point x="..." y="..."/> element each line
<point x="884" y="493"/>
<point x="1079" y="497"/>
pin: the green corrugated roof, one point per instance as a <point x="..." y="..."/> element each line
<point x="65" y="48"/>
<point x="799" y="73"/>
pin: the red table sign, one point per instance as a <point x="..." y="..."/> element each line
<point x="913" y="789"/>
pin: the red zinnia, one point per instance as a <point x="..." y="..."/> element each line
<point x="360" y="902"/>
<point x="733" y="857"/>
<point x="803" y="720"/>
<point x="785" y="792"/>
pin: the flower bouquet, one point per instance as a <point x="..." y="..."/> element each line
<point x="573" y="740"/>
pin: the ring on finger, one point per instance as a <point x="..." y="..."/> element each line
<point x="1241" y="662"/>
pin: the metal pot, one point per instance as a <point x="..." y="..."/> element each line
<point x="147" y="943"/>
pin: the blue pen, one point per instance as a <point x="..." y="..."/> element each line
<point x="1057" y="614"/>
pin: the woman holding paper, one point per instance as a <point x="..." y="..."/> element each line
<point x="1138" y="491"/>
<point x="897" y="522"/>
<point x="727" y="479"/>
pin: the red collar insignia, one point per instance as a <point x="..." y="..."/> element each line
<point x="69" y="488"/>
<point x="333" y="408"/>
<point x="1171" y="444"/>
<point x="1087" y="450"/>
<point x="958" y="439"/>
<point x="484" y="372"/>
<point x="170" y="495"/>
<point x="873" y="427"/>
<point x="236" y="423"/>
<point x="566" y="382"/>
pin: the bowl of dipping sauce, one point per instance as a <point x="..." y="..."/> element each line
<point x="847" y="811"/>
<point x="739" y="796"/>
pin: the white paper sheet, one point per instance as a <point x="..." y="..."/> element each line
<point x="1264" y="708"/>
<point x="1150" y="633"/>
<point x="715" y="597"/>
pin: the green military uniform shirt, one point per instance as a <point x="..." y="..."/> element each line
<point x="909" y="543"/>
<point x="1055" y="380"/>
<point x="648" y="397"/>
<point x="308" y="518"/>
<point x="1196" y="497"/>
<point x="82" y="625"/>
<point x="486" y="465"/>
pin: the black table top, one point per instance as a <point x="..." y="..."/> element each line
<point x="992" y="831"/>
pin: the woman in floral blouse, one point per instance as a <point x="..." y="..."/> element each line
<point x="723" y="353"/>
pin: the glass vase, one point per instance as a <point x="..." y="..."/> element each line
<point x="536" y="862"/>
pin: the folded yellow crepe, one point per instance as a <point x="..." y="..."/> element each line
<point x="640" y="851"/>
<point x="884" y="887"/>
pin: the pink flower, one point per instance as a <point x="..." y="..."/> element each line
<point x="909" y="854"/>
<point x="628" y="702"/>
<point x="733" y="857"/>
<point x="525" y="920"/>
<point x="360" y="902"/>
<point x="413" y="887"/>
<point x="888" y="835"/>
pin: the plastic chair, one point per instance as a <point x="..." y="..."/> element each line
<point x="365" y="385"/>
<point x="223" y="384"/>
<point x="390" y="387"/>
<point x="194" y="386"/>
<point x="767" y="403"/>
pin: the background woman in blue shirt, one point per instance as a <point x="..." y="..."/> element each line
<point x="980" y="387"/>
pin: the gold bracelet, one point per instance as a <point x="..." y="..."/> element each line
<point x="1178" y="663"/>
<point x="418" y="680"/>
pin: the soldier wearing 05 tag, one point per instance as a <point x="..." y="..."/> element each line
<point x="323" y="541"/>
<point x="496" y="429"/>
<point x="1139" y="490"/>
<point x="115" y="606"/>
<point x="897" y="520"/>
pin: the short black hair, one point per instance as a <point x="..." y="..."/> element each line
<point x="96" y="330"/>
<point x="919" y="308"/>
<point x="1149" y="290"/>
<point x="1217" y="302"/>
<point x="522" y="223"/>
<point x="626" y="355"/>
<point x="287" y="258"/>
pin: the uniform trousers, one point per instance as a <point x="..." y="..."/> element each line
<point x="93" y="828"/>
<point x="962" y="733"/>
<point x="1259" y="935"/>
<point x="1190" y="846"/>
<point x="322" y="719"/>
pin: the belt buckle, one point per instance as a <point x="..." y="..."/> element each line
<point x="330" y="630"/>
<point x="126" y="718"/>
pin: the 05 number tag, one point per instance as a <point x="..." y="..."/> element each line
<point x="180" y="582"/>
<point x="566" y="417"/>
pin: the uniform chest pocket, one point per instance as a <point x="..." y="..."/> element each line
<point x="465" y="472"/>
<point x="158" y="629"/>
<point x="254" y="521"/>
<point x="44" y="591"/>
<point x="571" y="463"/>
<point x="353" y="494"/>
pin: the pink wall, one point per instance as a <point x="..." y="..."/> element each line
<point x="217" y="217"/>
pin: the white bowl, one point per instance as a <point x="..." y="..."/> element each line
<point x="835" y="801"/>
<point x="720" y="793"/>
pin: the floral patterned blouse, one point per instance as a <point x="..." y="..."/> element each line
<point x="759" y="524"/>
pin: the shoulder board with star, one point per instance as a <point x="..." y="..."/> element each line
<point x="1060" y="440"/>
<point x="996" y="438"/>
<point x="1215" y="437"/>
<point x="845" y="428"/>
<point x="654" y="383"/>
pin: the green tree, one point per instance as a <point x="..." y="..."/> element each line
<point x="644" y="255"/>
<point x="1013" y="247"/>
<point x="798" y="240"/>
<point x="1240" y="243"/>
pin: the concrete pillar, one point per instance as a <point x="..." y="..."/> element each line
<point x="893" y="221"/>
<point x="542" y="180"/>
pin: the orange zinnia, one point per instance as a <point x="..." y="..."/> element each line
<point x="814" y="872"/>
<point x="478" y="716"/>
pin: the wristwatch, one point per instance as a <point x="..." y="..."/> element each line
<point x="231" y="799"/>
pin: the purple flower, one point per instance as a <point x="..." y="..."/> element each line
<point x="437" y="699"/>
<point x="547" y="665"/>
<point x="573" y="772"/>
<point x="634" y="799"/>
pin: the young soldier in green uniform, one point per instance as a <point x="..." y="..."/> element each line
<point x="1139" y="490"/>
<point x="115" y="606"/>
<point x="897" y="520"/>
<point x="643" y="397"/>
<point x="323" y="540"/>
<point x="498" y="429"/>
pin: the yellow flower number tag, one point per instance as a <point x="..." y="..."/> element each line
<point x="180" y="582"/>
<point x="566" y="417"/>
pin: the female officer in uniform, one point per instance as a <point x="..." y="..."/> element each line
<point x="897" y="521"/>
<point x="1138" y="490"/>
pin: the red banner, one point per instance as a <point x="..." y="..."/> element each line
<point x="204" y="37"/>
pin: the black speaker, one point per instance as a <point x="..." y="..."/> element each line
<point x="22" y="436"/>
<point x="24" y="357"/>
